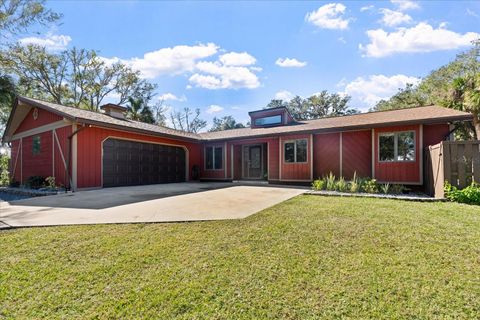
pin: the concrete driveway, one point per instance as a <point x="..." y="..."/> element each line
<point x="155" y="203"/>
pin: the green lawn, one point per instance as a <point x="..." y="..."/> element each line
<point x="309" y="257"/>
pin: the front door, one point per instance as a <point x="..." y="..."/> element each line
<point x="252" y="162"/>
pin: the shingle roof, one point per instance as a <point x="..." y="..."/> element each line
<point x="92" y="117"/>
<point x="429" y="114"/>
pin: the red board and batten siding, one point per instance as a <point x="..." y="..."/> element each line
<point x="405" y="172"/>
<point x="89" y="152"/>
<point x="434" y="133"/>
<point x="326" y="155"/>
<point x="48" y="162"/>
<point x="296" y="171"/>
<point x="357" y="153"/>
<point x="43" y="118"/>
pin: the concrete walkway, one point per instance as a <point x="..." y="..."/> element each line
<point x="225" y="201"/>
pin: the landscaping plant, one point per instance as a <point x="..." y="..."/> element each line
<point x="318" y="184"/>
<point x="355" y="183"/>
<point x="341" y="185"/>
<point x="470" y="194"/>
<point x="385" y="188"/>
<point x="370" y="186"/>
<point x="4" y="174"/>
<point x="330" y="182"/>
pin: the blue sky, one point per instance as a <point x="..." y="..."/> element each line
<point x="228" y="58"/>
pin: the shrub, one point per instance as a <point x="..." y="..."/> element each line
<point x="50" y="182"/>
<point x="385" y="187"/>
<point x="330" y="182"/>
<point x="355" y="183"/>
<point x="397" y="189"/>
<point x="341" y="185"/>
<point x="14" y="184"/>
<point x="4" y="175"/>
<point x="470" y="194"/>
<point x="318" y="184"/>
<point x="35" y="182"/>
<point x="370" y="186"/>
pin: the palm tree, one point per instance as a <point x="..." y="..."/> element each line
<point x="466" y="97"/>
<point x="134" y="108"/>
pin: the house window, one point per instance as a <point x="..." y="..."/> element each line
<point x="398" y="146"/>
<point x="267" y="121"/>
<point x="36" y="145"/>
<point x="213" y="158"/>
<point x="295" y="151"/>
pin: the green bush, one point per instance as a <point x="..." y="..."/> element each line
<point x="4" y="174"/>
<point x="385" y="188"/>
<point x="330" y="182"/>
<point x="50" y="181"/>
<point x="318" y="184"/>
<point x="355" y="184"/>
<point x="341" y="185"/>
<point x="470" y="194"/>
<point x="35" y="182"/>
<point x="397" y="189"/>
<point x="370" y="186"/>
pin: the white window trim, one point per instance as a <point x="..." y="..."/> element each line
<point x="395" y="146"/>
<point x="213" y="159"/>
<point x="294" y="151"/>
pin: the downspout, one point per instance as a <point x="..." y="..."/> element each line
<point x="69" y="156"/>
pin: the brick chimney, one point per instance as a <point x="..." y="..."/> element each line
<point x="114" y="110"/>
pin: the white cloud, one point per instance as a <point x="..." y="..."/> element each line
<point x="215" y="75"/>
<point x="394" y="18"/>
<point x="420" y="38"/>
<point x="329" y="16"/>
<point x="472" y="13"/>
<point x="284" y="95"/>
<point x="237" y="59"/>
<point x="367" y="91"/>
<point x="51" y="42"/>
<point x="342" y="40"/>
<point x="290" y="63"/>
<point x="231" y="70"/>
<point x="214" y="109"/>
<point x="367" y="8"/>
<point x="404" y="5"/>
<point x="170" y="96"/>
<point x="171" y="61"/>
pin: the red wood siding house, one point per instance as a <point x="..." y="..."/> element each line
<point x="84" y="149"/>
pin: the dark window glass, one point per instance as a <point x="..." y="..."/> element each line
<point x="208" y="158"/>
<point x="406" y="146"/>
<point x="265" y="121"/>
<point x="36" y="145"/>
<point x="387" y="147"/>
<point x="218" y="163"/>
<point x="290" y="152"/>
<point x="301" y="151"/>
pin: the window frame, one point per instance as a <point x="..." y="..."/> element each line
<point x="395" y="146"/>
<point x="214" y="147"/>
<point x="294" y="141"/>
<point x="269" y="124"/>
<point x="36" y="152"/>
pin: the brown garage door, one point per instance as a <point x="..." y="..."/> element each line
<point x="129" y="163"/>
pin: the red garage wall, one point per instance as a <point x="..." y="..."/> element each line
<point x="43" y="118"/>
<point x="401" y="172"/>
<point x="357" y="153"/>
<point x="326" y="154"/>
<point x="48" y="162"/>
<point x="89" y="152"/>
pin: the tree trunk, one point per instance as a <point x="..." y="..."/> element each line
<point x="476" y="124"/>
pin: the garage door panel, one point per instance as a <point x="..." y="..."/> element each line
<point x="135" y="163"/>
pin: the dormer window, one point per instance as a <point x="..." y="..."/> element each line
<point x="268" y="121"/>
<point x="270" y="117"/>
